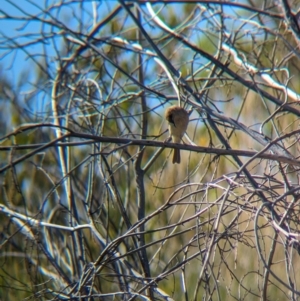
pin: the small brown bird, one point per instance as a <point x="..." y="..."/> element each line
<point x="178" y="119"/>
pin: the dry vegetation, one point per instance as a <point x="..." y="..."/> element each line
<point x="91" y="206"/>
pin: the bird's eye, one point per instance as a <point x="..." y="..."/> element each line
<point x="171" y="120"/>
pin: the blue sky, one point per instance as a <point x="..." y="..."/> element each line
<point x="17" y="65"/>
<point x="16" y="28"/>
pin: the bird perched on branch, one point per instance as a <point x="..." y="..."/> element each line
<point x="178" y="119"/>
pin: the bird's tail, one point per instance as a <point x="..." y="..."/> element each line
<point x="176" y="156"/>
